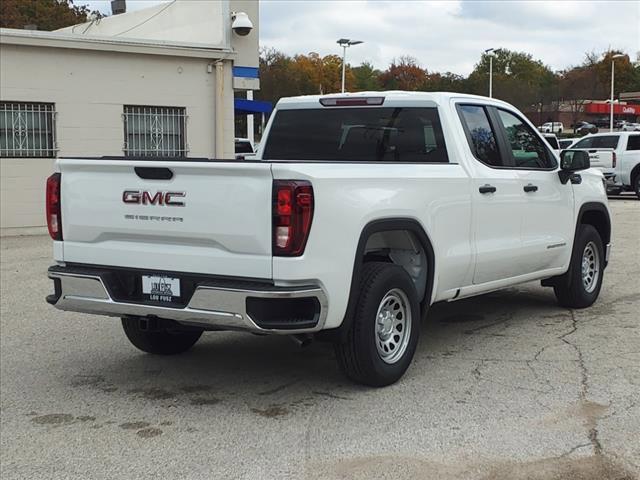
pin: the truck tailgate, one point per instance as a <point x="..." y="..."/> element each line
<point x="208" y="218"/>
<point x="602" y="159"/>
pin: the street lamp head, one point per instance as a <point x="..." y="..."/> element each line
<point x="618" y="55"/>
<point x="490" y="51"/>
<point x="347" y="42"/>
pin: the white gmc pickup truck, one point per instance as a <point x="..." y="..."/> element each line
<point x="358" y="213"/>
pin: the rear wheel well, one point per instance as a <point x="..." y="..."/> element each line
<point x="402" y="248"/>
<point x="396" y="241"/>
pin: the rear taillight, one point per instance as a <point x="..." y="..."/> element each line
<point x="54" y="210"/>
<point x="292" y="215"/>
<point x="613" y="163"/>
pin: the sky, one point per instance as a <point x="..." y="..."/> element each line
<point x="444" y="35"/>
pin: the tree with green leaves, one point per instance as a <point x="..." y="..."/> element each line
<point x="43" y="14"/>
<point x="445" y="82"/>
<point x="517" y="79"/>
<point x="366" y="78"/>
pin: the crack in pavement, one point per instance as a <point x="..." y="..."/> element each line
<point x="279" y="388"/>
<point x="592" y="420"/>
<point x="577" y="447"/>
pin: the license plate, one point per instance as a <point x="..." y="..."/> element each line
<point x="160" y="288"/>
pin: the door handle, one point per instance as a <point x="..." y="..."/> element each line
<point x="530" y="188"/>
<point x="487" y="189"/>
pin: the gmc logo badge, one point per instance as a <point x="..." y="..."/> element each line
<point x="142" y="197"/>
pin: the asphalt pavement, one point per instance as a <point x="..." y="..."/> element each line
<point x="506" y="386"/>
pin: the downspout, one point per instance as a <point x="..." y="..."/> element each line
<point x="219" y="110"/>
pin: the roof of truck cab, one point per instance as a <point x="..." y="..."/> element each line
<point x="438" y="98"/>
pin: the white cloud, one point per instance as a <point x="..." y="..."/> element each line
<point x="443" y="35"/>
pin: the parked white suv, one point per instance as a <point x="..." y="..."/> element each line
<point x="360" y="212"/>
<point x="551" y="127"/>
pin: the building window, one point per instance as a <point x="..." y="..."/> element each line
<point x="154" y="131"/>
<point x="27" y="130"/>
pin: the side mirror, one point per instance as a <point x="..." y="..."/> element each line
<point x="572" y="161"/>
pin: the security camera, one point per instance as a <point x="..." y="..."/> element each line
<point x="241" y="23"/>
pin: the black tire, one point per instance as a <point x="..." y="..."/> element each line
<point x="570" y="288"/>
<point x="637" y="186"/>
<point x="358" y="355"/>
<point x="161" y="341"/>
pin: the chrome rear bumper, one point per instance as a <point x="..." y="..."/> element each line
<point x="210" y="307"/>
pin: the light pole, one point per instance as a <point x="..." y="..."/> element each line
<point x="613" y="69"/>
<point x="491" y="52"/>
<point x="344" y="43"/>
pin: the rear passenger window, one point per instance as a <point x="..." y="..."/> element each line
<point x="481" y="137"/>
<point x="528" y="149"/>
<point x="634" y="142"/>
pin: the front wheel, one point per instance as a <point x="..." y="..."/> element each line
<point x="384" y="331"/>
<point x="637" y="186"/>
<point x="580" y="286"/>
<point x="160" y="341"/>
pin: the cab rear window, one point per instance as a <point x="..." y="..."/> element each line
<point x="605" y="141"/>
<point x="384" y="134"/>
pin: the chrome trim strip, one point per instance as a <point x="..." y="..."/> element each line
<point x="607" y="252"/>
<point x="217" y="307"/>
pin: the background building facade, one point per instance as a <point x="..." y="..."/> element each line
<point x="90" y="90"/>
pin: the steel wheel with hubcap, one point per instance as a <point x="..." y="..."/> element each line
<point x="393" y="326"/>
<point x="590" y="267"/>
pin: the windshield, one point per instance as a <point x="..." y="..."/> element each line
<point x="605" y="141"/>
<point x="357" y="134"/>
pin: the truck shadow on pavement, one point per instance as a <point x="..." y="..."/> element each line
<point x="224" y="365"/>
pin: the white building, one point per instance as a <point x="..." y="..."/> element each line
<point x="155" y="82"/>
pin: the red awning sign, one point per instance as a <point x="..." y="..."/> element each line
<point x="604" y="108"/>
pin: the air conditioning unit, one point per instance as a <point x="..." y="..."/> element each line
<point x="118" y="6"/>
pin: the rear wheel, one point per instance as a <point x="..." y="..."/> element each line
<point x="580" y="286"/>
<point x="384" y="332"/>
<point x="637" y="186"/>
<point x="160" y="341"/>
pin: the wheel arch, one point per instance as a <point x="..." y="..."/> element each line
<point x="597" y="215"/>
<point x="377" y="226"/>
<point x="635" y="172"/>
